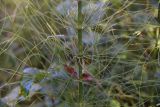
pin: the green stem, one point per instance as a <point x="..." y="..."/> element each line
<point x="158" y="29"/>
<point x="157" y="33"/>
<point x="80" y="88"/>
<point x="158" y="13"/>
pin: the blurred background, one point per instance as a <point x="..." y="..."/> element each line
<point x="120" y="49"/>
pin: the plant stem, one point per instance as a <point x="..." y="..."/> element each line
<point x="158" y="29"/>
<point x="157" y="33"/>
<point x="80" y="87"/>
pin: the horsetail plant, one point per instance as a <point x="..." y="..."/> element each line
<point x="79" y="53"/>
<point x="80" y="87"/>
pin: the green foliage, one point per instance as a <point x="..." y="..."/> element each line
<point x="114" y="103"/>
<point x="119" y="50"/>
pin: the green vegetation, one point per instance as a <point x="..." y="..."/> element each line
<point x="79" y="53"/>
